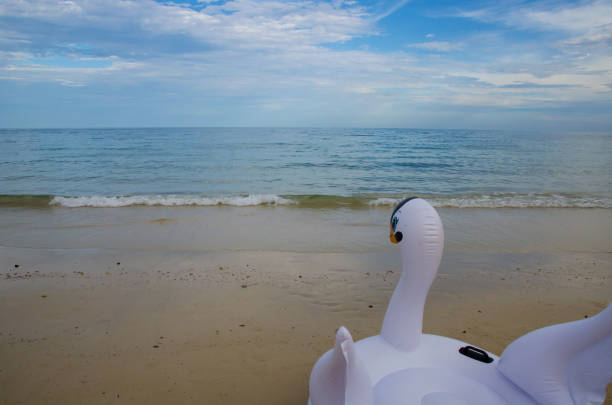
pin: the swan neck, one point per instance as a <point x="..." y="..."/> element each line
<point x="403" y="323"/>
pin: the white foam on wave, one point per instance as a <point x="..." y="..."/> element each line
<point x="384" y="201"/>
<point x="168" y="201"/>
<point x="507" y="201"/>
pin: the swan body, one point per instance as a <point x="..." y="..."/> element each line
<point x="567" y="364"/>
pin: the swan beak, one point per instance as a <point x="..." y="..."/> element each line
<point x="392" y="236"/>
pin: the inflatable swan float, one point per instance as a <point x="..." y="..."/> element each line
<point x="566" y="364"/>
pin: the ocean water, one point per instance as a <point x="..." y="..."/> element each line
<point x="309" y="167"/>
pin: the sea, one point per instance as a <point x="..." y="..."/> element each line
<point x="303" y="167"/>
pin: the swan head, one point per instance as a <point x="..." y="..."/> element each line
<point x="416" y="227"/>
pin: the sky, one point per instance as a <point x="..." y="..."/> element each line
<point x="510" y="65"/>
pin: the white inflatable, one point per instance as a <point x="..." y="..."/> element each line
<point x="567" y="364"/>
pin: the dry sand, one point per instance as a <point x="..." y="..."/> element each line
<point x="233" y="329"/>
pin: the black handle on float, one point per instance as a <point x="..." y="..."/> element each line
<point x="476" y="354"/>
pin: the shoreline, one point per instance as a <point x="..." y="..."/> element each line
<point x="488" y="200"/>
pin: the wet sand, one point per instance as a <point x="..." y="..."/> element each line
<point x="87" y="319"/>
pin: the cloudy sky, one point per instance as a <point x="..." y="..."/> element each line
<point x="543" y="65"/>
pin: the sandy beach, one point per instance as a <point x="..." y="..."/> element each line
<point x="234" y="305"/>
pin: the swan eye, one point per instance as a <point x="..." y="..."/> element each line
<point x="394" y="222"/>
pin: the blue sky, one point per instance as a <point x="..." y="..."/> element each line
<point x="525" y="65"/>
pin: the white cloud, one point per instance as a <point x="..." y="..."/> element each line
<point x="392" y="9"/>
<point x="575" y="66"/>
<point x="236" y="23"/>
<point x="438" y="46"/>
<point x="585" y="21"/>
<point x="579" y="18"/>
<point x="70" y="83"/>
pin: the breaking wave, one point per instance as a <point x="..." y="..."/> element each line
<point x="168" y="201"/>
